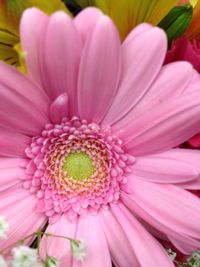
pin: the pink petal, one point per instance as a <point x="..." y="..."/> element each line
<point x="119" y="246"/>
<point x="194" y="84"/>
<point x="59" y="108"/>
<point x="158" y="168"/>
<point x="141" y="62"/>
<point x="59" y="247"/>
<point x="187" y="249"/>
<point x="23" y="86"/>
<point x="91" y="232"/>
<point x="12" y="144"/>
<point x="188" y="156"/>
<point x="136" y="31"/>
<point x="193" y="185"/>
<point x="147" y="250"/>
<point x="172" y="81"/>
<point x="86" y="21"/>
<point x="183" y="242"/>
<point x="99" y="71"/>
<point x="23" y="106"/>
<point x="164" y="126"/>
<point x="31" y="36"/>
<point x="169" y="204"/>
<point x="9" y="176"/>
<point x="21" y="215"/>
<point x="60" y="55"/>
<point x="9" y="162"/>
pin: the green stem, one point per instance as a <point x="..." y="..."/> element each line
<point x="39" y="235"/>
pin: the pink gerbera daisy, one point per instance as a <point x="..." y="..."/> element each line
<point x="87" y="142"/>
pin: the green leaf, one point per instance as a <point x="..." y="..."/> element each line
<point x="176" y="22"/>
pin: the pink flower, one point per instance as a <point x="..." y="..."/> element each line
<point x="87" y="143"/>
<point x="184" y="49"/>
<point x="195" y="141"/>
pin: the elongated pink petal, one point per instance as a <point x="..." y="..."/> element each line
<point x="99" y="71"/>
<point x="164" y="126"/>
<point x="12" y="144"/>
<point x="141" y="241"/>
<point x="23" y="106"/>
<point x="172" y="81"/>
<point x="91" y="232"/>
<point x="194" y="84"/>
<point x="59" y="108"/>
<point x="9" y="162"/>
<point x="193" y="185"/>
<point x="188" y="156"/>
<point x="137" y="73"/>
<point x="136" y="31"/>
<point x="9" y="177"/>
<point x="183" y="242"/>
<point x="169" y="204"/>
<point x="20" y="84"/>
<point x="60" y="70"/>
<point x="119" y="246"/>
<point x="59" y="247"/>
<point x="86" y="21"/>
<point x="31" y="36"/>
<point x="160" y="169"/>
<point x="21" y="215"/>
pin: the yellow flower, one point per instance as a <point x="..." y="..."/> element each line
<point x="10" y="14"/>
<point x="7" y="42"/>
<point x="194" y="28"/>
<point x="128" y="13"/>
<point x="193" y="2"/>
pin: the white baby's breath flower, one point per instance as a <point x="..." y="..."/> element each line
<point x="3" y="227"/>
<point x="78" y="249"/>
<point x="171" y="254"/>
<point x="194" y="260"/>
<point x="24" y="256"/>
<point x="3" y="262"/>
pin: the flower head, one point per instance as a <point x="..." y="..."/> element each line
<point x="87" y="142"/>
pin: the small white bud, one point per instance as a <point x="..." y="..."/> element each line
<point x="171" y="254"/>
<point x="78" y="249"/>
<point x="24" y="256"/>
<point x="3" y="227"/>
<point x="3" y="262"/>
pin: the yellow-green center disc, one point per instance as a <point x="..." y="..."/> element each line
<point x="78" y="165"/>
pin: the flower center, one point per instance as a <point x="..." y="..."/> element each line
<point x="78" y="166"/>
<point x="75" y="167"/>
